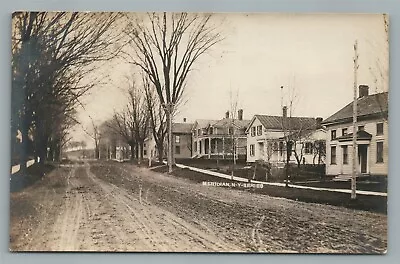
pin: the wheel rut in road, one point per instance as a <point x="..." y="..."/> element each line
<point x="100" y="216"/>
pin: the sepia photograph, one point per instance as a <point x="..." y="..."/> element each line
<point x="199" y="132"/>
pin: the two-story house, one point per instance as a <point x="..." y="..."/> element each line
<point x="371" y="136"/>
<point x="220" y="138"/>
<point x="267" y="138"/>
<point x="181" y="140"/>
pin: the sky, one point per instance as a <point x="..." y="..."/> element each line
<point x="310" y="55"/>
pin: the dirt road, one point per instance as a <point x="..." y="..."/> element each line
<point x="120" y="207"/>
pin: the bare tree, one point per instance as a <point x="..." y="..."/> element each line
<point x="52" y="54"/>
<point x="290" y="130"/>
<point x="165" y="47"/>
<point x="132" y="122"/>
<point x="157" y="118"/>
<point x="380" y="71"/>
<point x="94" y="133"/>
<point x="319" y="150"/>
<point x="233" y="115"/>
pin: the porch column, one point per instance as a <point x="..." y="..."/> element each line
<point x="223" y="148"/>
<point x="209" y="147"/>
<point x="216" y="146"/>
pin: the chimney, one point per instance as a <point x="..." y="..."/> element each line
<point x="284" y="111"/>
<point x="184" y="120"/>
<point x="318" y="122"/>
<point x="227" y="114"/>
<point x="362" y="90"/>
<point x="240" y="114"/>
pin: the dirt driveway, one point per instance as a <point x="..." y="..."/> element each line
<point x="120" y="207"/>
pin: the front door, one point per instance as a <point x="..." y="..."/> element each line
<point x="363" y="157"/>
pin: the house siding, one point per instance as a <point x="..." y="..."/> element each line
<point x="220" y="141"/>
<point x="373" y="167"/>
<point x="260" y="142"/>
<point x="185" y="145"/>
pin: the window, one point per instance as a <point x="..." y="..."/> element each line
<point x="344" y="131"/>
<point x="345" y="154"/>
<point x="177" y="139"/>
<point x="333" y="155"/>
<point x="308" y="148"/>
<point x="253" y="131"/>
<point x="259" y="130"/>
<point x="211" y="131"/>
<point x="333" y="134"/>
<point x="252" y="150"/>
<point x="230" y="131"/>
<point x="198" y="132"/>
<point x="379" y="152"/>
<point x="177" y="149"/>
<point x="144" y="152"/>
<point x="379" y="129"/>
<point x="360" y="128"/>
<point x="195" y="147"/>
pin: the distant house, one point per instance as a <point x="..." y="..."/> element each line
<point x="214" y="138"/>
<point x="372" y="136"/>
<point x="181" y="140"/>
<point x="267" y="136"/>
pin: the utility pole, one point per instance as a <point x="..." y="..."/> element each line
<point x="233" y="145"/>
<point x="354" y="172"/>
<point x="286" y="139"/>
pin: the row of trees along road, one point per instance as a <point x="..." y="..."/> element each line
<point x="163" y="48"/>
<point x="52" y="53"/>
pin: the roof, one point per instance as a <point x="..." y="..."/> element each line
<point x="277" y="122"/>
<point x="304" y="132"/>
<point x="225" y="122"/>
<point x="182" y="128"/>
<point x="361" y="134"/>
<point x="370" y="105"/>
<point x="203" y="123"/>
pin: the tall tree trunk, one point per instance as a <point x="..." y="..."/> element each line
<point x="57" y="149"/>
<point x="160" y="150"/>
<point x="132" y="145"/>
<point x="170" y="152"/>
<point x="136" y="150"/>
<point x="23" y="151"/>
<point x="141" y="149"/>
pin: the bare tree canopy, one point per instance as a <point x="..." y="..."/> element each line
<point x="53" y="53"/>
<point x="165" y="47"/>
<point x="157" y="117"/>
<point x="132" y="122"/>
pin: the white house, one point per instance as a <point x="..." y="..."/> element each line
<point x="220" y="138"/>
<point x="372" y="136"/>
<point x="267" y="136"/>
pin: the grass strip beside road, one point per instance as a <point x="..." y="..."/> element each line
<point x="363" y="202"/>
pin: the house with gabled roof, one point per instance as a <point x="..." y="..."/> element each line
<point x="371" y="136"/>
<point x="181" y="140"/>
<point x="222" y="138"/>
<point x="267" y="138"/>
